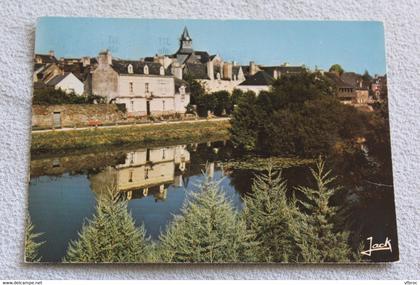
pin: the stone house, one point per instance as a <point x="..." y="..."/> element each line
<point x="145" y="88"/>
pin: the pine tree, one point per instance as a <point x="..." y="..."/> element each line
<point x="208" y="230"/>
<point x="31" y="246"/>
<point x="111" y="235"/>
<point x="270" y="215"/>
<point x="319" y="241"/>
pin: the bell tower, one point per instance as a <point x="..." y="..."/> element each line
<point x="185" y="42"/>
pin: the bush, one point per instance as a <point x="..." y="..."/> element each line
<point x="51" y="96"/>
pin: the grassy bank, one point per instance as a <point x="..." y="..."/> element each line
<point x="100" y="137"/>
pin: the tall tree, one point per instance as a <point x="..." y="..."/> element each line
<point x="337" y="69"/>
<point x="319" y="240"/>
<point x="209" y="230"/>
<point x="111" y="235"/>
<point x="31" y="243"/>
<point x="271" y="216"/>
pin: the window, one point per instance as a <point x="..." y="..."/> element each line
<point x="130" y="176"/>
<point x="146" y="69"/>
<point x="146" y="173"/>
<point x="130" y="68"/>
<point x="146" y="87"/>
<point x="131" y="87"/>
<point x="163" y="105"/>
<point x="131" y="157"/>
<point x="163" y="153"/>
<point x="132" y="106"/>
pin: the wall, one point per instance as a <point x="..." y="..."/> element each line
<point x="218" y="85"/>
<point x="17" y="30"/>
<point x="77" y="115"/>
<point x="105" y="82"/>
<point x="254" y="88"/>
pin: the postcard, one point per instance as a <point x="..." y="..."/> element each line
<point x="210" y="141"/>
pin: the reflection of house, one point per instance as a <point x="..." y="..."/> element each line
<point x="144" y="87"/>
<point x="146" y="171"/>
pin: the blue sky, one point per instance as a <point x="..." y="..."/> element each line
<point x="357" y="46"/>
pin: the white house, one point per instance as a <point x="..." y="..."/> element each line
<point x="144" y="87"/>
<point x="67" y="82"/>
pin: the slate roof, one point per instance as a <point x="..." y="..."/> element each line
<point x="337" y="80"/>
<point x="260" y="78"/>
<point x="179" y="83"/>
<point x="196" y="70"/>
<point x="46" y="58"/>
<point x="351" y="78"/>
<point x="121" y="66"/>
<point x="57" y="79"/>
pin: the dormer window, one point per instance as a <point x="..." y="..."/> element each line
<point x="146" y="69"/>
<point x="130" y="69"/>
<point x="162" y="70"/>
<point x="218" y="76"/>
<point x="182" y="90"/>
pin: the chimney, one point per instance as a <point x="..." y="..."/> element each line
<point x="85" y="61"/>
<point x="210" y="70"/>
<point x="51" y="53"/>
<point x="105" y="58"/>
<point x="252" y="68"/>
<point x="227" y="71"/>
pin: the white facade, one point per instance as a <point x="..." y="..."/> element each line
<point x="255" y="88"/>
<point x="151" y="95"/>
<point x="70" y="83"/>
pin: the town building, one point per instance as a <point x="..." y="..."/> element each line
<point x="145" y="88"/>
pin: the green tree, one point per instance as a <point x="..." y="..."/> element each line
<point x="223" y="102"/>
<point x="337" y="69"/>
<point x="236" y="95"/>
<point x="244" y="124"/>
<point x="111" y="235"/>
<point x="31" y="243"/>
<point x="319" y="240"/>
<point x="209" y="230"/>
<point x="271" y="216"/>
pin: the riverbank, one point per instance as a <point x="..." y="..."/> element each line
<point x="55" y="141"/>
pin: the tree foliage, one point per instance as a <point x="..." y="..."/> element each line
<point x="337" y="69"/>
<point x="31" y="243"/>
<point x="111" y="235"/>
<point x="299" y="116"/>
<point x="208" y="230"/>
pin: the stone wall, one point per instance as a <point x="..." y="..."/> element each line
<point x="75" y="115"/>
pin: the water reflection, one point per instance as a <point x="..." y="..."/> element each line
<point x="156" y="181"/>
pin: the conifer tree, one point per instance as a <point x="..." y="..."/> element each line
<point x="31" y="245"/>
<point x="208" y="230"/>
<point x="319" y="241"/>
<point x="270" y="215"/>
<point x="111" y="235"/>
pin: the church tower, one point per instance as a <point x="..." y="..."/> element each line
<point x="185" y="42"/>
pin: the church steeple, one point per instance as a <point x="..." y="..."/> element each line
<point x="185" y="42"/>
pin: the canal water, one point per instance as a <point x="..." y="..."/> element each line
<point x="156" y="182"/>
